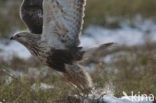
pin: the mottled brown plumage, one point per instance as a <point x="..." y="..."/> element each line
<point x="59" y="57"/>
<point x="32" y="14"/>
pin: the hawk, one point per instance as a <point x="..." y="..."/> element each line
<point x="57" y="45"/>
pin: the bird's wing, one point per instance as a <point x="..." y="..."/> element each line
<point x="32" y="14"/>
<point x="62" y="22"/>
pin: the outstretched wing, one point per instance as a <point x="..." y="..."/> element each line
<point x="32" y="14"/>
<point x="62" y="22"/>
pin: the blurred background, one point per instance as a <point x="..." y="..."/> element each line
<point x="128" y="66"/>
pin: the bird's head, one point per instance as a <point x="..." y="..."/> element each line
<point x="26" y="38"/>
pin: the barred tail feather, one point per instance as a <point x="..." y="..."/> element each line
<point x="78" y="77"/>
<point x="94" y="49"/>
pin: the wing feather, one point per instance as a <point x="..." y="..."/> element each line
<point x="62" y="22"/>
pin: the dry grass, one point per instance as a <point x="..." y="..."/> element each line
<point x="131" y="69"/>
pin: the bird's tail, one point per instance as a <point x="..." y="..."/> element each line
<point x="92" y="51"/>
<point x="78" y="77"/>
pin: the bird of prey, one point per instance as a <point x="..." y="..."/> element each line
<point x="58" y="44"/>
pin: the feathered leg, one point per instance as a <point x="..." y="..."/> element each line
<point x="78" y="77"/>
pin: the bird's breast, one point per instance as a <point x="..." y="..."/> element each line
<point x="57" y="58"/>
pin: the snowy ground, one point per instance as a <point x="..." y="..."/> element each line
<point x="125" y="35"/>
<point x="111" y="99"/>
<point x="13" y="48"/>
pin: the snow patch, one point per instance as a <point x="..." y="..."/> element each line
<point x="13" y="49"/>
<point x="126" y="35"/>
<point x="41" y="86"/>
